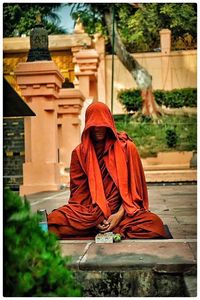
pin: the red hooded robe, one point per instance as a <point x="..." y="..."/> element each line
<point x="103" y="179"/>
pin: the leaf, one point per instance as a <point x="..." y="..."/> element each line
<point x="19" y="216"/>
<point x="26" y="282"/>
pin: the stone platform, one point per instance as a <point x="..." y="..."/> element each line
<point x="151" y="267"/>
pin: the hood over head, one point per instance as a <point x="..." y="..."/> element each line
<point x="98" y="114"/>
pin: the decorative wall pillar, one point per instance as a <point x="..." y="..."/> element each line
<point x="165" y="43"/>
<point x="86" y="69"/>
<point x="75" y="50"/>
<point x="87" y="63"/>
<point x="40" y="82"/>
<point x="69" y="107"/>
<point x="99" y="45"/>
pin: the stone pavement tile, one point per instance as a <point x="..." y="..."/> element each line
<point x="178" y="208"/>
<point x="165" y="190"/>
<point x="75" y="250"/>
<point x="138" y="255"/>
<point x="51" y="205"/>
<point x="159" y="208"/>
<point x="184" y="211"/>
<point x="187" y="219"/>
<point x="180" y="200"/>
<point x="168" y="219"/>
<point x="41" y="195"/>
<point x="48" y="200"/>
<point x="172" y="206"/>
<point x="190" y="230"/>
<point x="189" y="188"/>
<point x="47" y="195"/>
<point x="177" y="231"/>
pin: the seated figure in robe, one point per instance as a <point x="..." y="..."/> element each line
<point x="108" y="191"/>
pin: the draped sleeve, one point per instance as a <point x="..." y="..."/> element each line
<point x="136" y="177"/>
<point x="78" y="181"/>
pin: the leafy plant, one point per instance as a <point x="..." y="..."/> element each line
<point x="20" y="18"/>
<point x="171" y="137"/>
<point x="33" y="265"/>
<point x="132" y="101"/>
<point x="177" y="97"/>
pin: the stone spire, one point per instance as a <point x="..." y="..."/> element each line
<point x="79" y="26"/>
<point x="39" y="42"/>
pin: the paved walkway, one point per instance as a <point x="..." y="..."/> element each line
<point x="177" y="207"/>
<point x="175" y="204"/>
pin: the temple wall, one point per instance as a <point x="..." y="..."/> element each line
<point x="174" y="71"/>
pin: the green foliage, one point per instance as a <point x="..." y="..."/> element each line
<point x="20" y="18"/>
<point x="33" y="264"/>
<point x="132" y="101"/>
<point x="150" y="18"/>
<point x="171" y="138"/>
<point x="139" y="25"/>
<point x="90" y="18"/>
<point x="177" y="97"/>
<point x="143" y="28"/>
<point x="150" y="137"/>
<point x="180" y="18"/>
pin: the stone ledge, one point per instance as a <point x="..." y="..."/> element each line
<point x="144" y="268"/>
<point x="166" y="256"/>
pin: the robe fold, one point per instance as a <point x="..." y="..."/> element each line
<point x="103" y="179"/>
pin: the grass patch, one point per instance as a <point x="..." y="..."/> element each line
<point x="151" y="138"/>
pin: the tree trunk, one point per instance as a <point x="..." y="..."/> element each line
<point x="141" y="76"/>
<point x="149" y="106"/>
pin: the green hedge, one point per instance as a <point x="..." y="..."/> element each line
<point x="33" y="264"/>
<point x="132" y="101"/>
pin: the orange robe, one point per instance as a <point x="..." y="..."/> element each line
<point x="103" y="179"/>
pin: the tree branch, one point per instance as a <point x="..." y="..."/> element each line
<point x="141" y="76"/>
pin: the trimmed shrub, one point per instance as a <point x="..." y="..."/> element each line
<point x="171" y="138"/>
<point x="33" y="265"/>
<point x="132" y="101"/>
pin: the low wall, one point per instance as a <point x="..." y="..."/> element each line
<point x="171" y="167"/>
<point x="168" y="161"/>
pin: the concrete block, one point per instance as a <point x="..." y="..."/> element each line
<point x="104" y="238"/>
<point x="190" y="285"/>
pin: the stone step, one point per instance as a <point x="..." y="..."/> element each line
<point x="179" y="158"/>
<point x="133" y="268"/>
<point x="171" y="175"/>
<point x="161" y="167"/>
<point x="163" y="256"/>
